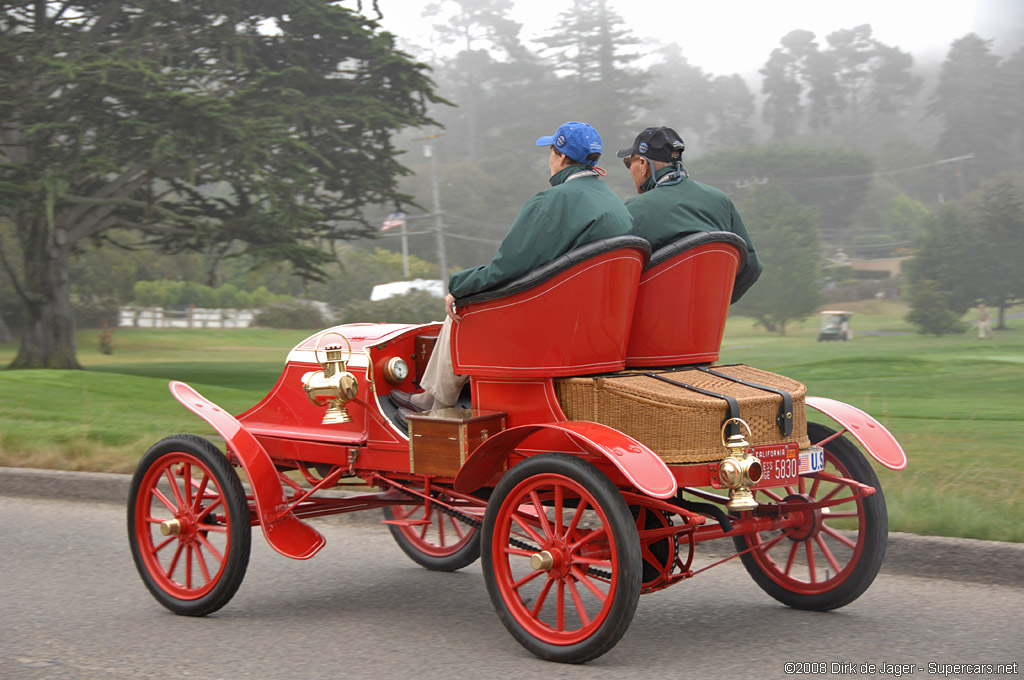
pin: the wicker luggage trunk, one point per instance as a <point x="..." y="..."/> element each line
<point x="681" y="424"/>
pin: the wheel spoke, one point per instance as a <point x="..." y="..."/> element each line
<point x="811" y="570"/>
<point x="436" y="517"/>
<point x="542" y="596"/>
<point x="163" y="499"/>
<point x="839" y="537"/>
<point x="188" y="566"/>
<point x="174" y="561"/>
<point x="592" y="537"/>
<point x="213" y="551"/>
<point x="827" y="553"/>
<point x="186" y="483"/>
<point x="771" y="494"/>
<point x="580" y="508"/>
<point x="559" y="502"/>
<point x="582" y="578"/>
<point x="581" y="611"/>
<point x="542" y="516"/>
<point x="526" y="579"/>
<point x="202" y="564"/>
<point x="560" y="607"/>
<point x="457" y="526"/>
<point x="516" y="517"/>
<point x="200" y="492"/>
<point x="592" y="561"/>
<point x="169" y="473"/>
<point x="792" y="556"/>
<point x="203" y="512"/>
<point x="509" y="550"/>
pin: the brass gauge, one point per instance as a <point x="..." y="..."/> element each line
<point x="396" y="370"/>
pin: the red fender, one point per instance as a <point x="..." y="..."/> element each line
<point x="642" y="467"/>
<point x="285" y="532"/>
<point x="872" y="435"/>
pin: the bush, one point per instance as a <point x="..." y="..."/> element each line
<point x="290" y="315"/>
<point x="417" y="306"/>
<point x="930" y="312"/>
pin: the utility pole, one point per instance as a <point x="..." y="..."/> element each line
<point x="442" y="256"/>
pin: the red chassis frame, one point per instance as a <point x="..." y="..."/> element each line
<point x="794" y="537"/>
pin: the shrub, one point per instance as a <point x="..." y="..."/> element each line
<point x="290" y="315"/>
<point x="929" y="310"/>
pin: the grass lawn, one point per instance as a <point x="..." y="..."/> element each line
<point x="954" y="404"/>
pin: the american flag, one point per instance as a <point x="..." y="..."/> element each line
<point x="393" y="220"/>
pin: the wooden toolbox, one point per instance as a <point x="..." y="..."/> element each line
<point x="441" y="440"/>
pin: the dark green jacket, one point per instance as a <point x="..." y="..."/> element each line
<point x="572" y="213"/>
<point x="664" y="213"/>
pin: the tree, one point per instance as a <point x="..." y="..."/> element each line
<point x="233" y="127"/>
<point x="974" y="109"/>
<point x="871" y="79"/>
<point x="798" y="78"/>
<point x="787" y="242"/>
<point x="946" y="264"/>
<point x="1000" y="226"/>
<point x="930" y="312"/>
<point x="587" y="51"/>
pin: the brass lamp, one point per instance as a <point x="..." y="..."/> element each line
<point x="740" y="469"/>
<point x="333" y="385"/>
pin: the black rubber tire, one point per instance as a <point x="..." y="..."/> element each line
<point x="234" y="559"/>
<point x="626" y="573"/>
<point x="463" y="556"/>
<point x="873" y="531"/>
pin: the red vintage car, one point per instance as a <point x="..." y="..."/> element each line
<point x="596" y="444"/>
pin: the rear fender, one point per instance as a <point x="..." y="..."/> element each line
<point x="871" y="434"/>
<point x="285" y="532"/>
<point x="642" y="467"/>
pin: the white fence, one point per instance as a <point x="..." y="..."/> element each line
<point x="193" y="317"/>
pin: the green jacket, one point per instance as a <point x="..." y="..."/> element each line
<point x="575" y="211"/>
<point x="665" y="212"/>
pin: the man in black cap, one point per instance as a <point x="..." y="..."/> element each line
<point x="670" y="204"/>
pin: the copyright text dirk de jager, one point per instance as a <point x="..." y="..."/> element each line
<point x="900" y="669"/>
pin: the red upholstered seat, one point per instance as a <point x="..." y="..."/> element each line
<point x="570" y="317"/>
<point x="683" y="300"/>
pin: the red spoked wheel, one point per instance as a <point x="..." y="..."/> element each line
<point x="445" y="542"/>
<point x="834" y="554"/>
<point x="562" y="558"/>
<point x="188" y="525"/>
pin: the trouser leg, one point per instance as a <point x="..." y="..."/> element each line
<point x="439" y="378"/>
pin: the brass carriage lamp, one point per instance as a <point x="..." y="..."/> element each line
<point x="741" y="469"/>
<point x="332" y="385"/>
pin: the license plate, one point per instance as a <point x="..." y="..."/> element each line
<point x="784" y="463"/>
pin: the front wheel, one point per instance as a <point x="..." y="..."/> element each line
<point x="188" y="525"/>
<point x="561" y="558"/>
<point x="831" y="558"/>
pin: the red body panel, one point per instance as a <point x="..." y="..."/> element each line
<point x="285" y="533"/>
<point x="640" y="466"/>
<point x="681" y="307"/>
<point x="872" y="435"/>
<point x="577" y="322"/>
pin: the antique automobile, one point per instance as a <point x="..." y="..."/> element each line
<point x="597" y="443"/>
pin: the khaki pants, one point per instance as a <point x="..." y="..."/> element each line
<point x="439" y="379"/>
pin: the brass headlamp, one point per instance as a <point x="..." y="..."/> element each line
<point x="333" y="385"/>
<point x="740" y="470"/>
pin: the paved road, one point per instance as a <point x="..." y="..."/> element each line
<point x="72" y="606"/>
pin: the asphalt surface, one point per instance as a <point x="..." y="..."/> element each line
<point x="958" y="559"/>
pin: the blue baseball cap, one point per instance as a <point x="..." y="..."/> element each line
<point x="575" y="140"/>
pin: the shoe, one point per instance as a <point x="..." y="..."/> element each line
<point x="403" y="400"/>
<point x="402" y="417"/>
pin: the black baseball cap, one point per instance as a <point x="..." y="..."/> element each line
<point x="656" y="143"/>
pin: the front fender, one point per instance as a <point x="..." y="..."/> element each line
<point x="285" y="532"/>
<point x="872" y="435"/>
<point x="642" y="467"/>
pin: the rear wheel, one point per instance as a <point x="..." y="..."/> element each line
<point x="188" y="525"/>
<point x="833" y="556"/>
<point x="561" y="558"/>
<point x="437" y="540"/>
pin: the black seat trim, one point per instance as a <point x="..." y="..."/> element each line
<point x="557" y="266"/>
<point x="698" y="239"/>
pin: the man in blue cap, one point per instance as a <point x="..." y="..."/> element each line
<point x="578" y="209"/>
<point x="671" y="205"/>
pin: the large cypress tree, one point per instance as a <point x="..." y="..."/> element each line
<point x="254" y="125"/>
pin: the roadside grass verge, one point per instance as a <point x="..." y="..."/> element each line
<point x="954" y="403"/>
